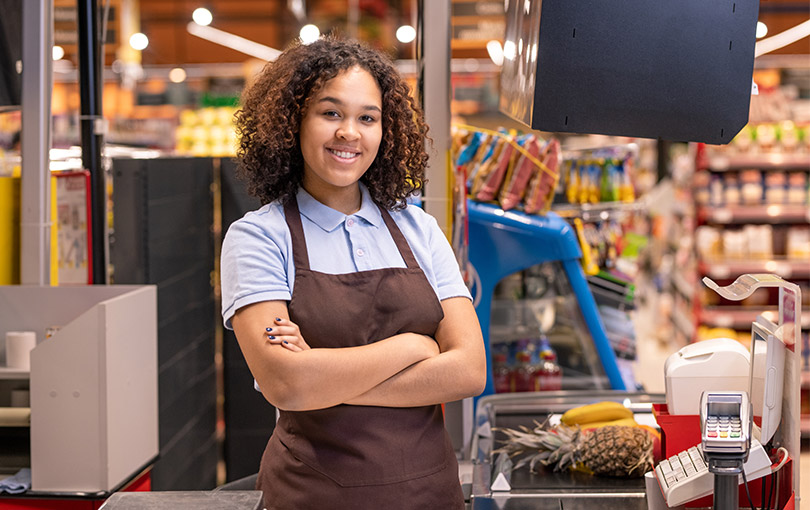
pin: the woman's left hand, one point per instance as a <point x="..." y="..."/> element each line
<point x="285" y="332"/>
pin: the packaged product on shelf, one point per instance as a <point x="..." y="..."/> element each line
<point x="731" y="189"/>
<point x="766" y="136"/>
<point x="486" y="166"/>
<point x="541" y="186"/>
<point x="501" y="373"/>
<point x="707" y="242"/>
<point x="517" y="178"/>
<point x="751" y="187"/>
<point x="491" y="183"/>
<point x="716" y="192"/>
<point x="760" y="241"/>
<point x="798" y="243"/>
<point x="548" y="374"/>
<point x="775" y="188"/>
<point x="700" y="184"/>
<point x="797" y="188"/>
<point x="735" y="244"/>
<point x="788" y="136"/>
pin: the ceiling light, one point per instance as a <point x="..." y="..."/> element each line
<point x="177" y="75"/>
<point x="309" y="34"/>
<point x="406" y="34"/>
<point x="762" y="30"/>
<point x="138" y="41"/>
<point x="202" y="16"/>
<point x="58" y="52"/>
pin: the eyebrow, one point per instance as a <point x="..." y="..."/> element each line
<point x="329" y="99"/>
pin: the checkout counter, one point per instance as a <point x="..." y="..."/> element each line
<point x="767" y="372"/>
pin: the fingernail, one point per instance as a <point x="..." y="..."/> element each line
<point x="286" y="342"/>
<point x="278" y="319"/>
<point x="269" y="329"/>
<point x="273" y="338"/>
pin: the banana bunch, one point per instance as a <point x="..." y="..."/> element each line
<point x="598" y="415"/>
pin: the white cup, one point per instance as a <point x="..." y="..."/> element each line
<point x="18" y="349"/>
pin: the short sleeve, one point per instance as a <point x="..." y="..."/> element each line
<point x="449" y="282"/>
<point x="253" y="265"/>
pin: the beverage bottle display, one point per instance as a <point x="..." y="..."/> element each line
<point x="501" y="375"/>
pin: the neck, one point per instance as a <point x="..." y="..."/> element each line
<point x="346" y="200"/>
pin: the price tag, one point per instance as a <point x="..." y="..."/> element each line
<point x="722" y="215"/>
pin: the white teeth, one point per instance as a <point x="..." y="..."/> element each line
<point x="343" y="154"/>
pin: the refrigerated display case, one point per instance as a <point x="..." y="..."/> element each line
<point x="530" y="293"/>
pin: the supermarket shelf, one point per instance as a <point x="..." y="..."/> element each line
<point x="728" y="268"/>
<point x="774" y="161"/>
<point x="683" y="324"/>
<point x="740" y="317"/>
<point x="680" y="283"/>
<point x="13" y="373"/>
<point x="805" y="378"/>
<point x="599" y="211"/>
<point x="778" y="213"/>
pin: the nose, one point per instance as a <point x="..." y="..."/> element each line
<point x="347" y="130"/>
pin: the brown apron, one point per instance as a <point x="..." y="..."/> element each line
<point x="360" y="457"/>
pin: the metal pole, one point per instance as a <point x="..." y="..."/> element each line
<point x="726" y="495"/>
<point x="92" y="129"/>
<point x="433" y="76"/>
<point x="37" y="84"/>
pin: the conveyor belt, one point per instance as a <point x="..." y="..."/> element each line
<point x="546" y="489"/>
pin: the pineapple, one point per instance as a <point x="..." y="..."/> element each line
<point x="609" y="451"/>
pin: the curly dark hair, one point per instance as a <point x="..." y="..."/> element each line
<point x="273" y="106"/>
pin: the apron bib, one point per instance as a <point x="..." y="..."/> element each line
<point x="360" y="457"/>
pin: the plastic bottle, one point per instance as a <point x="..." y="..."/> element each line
<point x="549" y="373"/>
<point x="501" y="375"/>
<point x="524" y="375"/>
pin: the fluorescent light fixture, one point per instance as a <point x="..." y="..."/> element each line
<point x="202" y="16"/>
<point x="406" y="34"/>
<point x="782" y="39"/>
<point x="138" y="41"/>
<point x="232" y="41"/>
<point x="309" y="34"/>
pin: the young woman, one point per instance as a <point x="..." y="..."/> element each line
<point x="347" y="303"/>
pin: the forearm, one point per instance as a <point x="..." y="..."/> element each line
<point x="444" y="378"/>
<point x="320" y="378"/>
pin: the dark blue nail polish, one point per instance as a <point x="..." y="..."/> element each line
<point x="286" y="342"/>
<point x="269" y="329"/>
<point x="271" y="337"/>
<point x="278" y="319"/>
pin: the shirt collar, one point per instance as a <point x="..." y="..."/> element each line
<point x="329" y="219"/>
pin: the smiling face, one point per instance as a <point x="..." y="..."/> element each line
<point x="340" y="135"/>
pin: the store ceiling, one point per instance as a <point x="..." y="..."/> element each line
<point x="272" y="23"/>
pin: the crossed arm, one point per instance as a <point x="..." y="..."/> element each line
<point x="404" y="370"/>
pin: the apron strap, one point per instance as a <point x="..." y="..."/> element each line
<point x="299" y="242"/>
<point x="399" y="240"/>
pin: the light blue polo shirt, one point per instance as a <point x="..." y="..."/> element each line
<point x="257" y="260"/>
